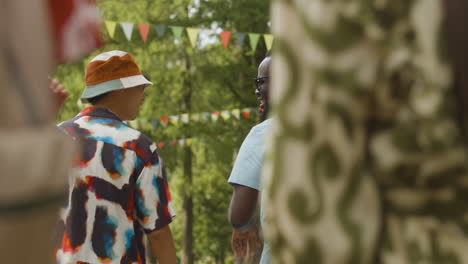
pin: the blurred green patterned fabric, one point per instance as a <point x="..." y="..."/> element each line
<point x="366" y="162"/>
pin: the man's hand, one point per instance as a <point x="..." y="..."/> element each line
<point x="59" y="93"/>
<point x="245" y="243"/>
<point x="162" y="245"/>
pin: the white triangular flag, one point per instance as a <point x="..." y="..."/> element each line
<point x="127" y="29"/>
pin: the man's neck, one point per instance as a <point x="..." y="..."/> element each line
<point x="111" y="108"/>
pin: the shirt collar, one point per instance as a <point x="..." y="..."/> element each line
<point x="98" y="111"/>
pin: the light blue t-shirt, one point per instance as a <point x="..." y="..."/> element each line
<point x="247" y="169"/>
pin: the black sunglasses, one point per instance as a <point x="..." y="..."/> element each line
<point x="260" y="80"/>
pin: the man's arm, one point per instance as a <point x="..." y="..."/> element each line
<point x="162" y="245"/>
<point x="242" y="207"/>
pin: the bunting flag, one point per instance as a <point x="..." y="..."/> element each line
<point x="195" y="117"/>
<point x="188" y="141"/>
<point x="127" y="29"/>
<point x="246" y="112"/>
<point x="225" y="35"/>
<point x="268" y="40"/>
<point x="164" y="120"/>
<point x="214" y="116"/>
<point x="225" y="114"/>
<point x="174" y="120"/>
<point x="133" y="123"/>
<point x="177" y="31"/>
<point x="205" y="116"/>
<point x="192" y="32"/>
<point x="193" y="35"/>
<point x="154" y="123"/>
<point x="181" y="142"/>
<point x="254" y="37"/>
<point x="110" y="25"/>
<point x="160" y="30"/>
<point x="144" y="124"/>
<point x="240" y="36"/>
<point x="144" y="30"/>
<point x="236" y="113"/>
<point x="184" y="118"/>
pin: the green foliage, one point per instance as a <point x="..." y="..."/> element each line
<point x="189" y="80"/>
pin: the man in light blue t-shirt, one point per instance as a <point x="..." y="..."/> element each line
<point x="245" y="176"/>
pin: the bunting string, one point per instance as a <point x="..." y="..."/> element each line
<point x="185" y="118"/>
<point x="192" y="33"/>
<point x="186" y="141"/>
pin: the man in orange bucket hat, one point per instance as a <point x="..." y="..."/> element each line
<point x="118" y="187"/>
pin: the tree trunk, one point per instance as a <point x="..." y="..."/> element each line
<point x="187" y="189"/>
<point x="188" y="207"/>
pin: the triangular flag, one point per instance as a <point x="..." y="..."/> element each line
<point x="127" y="29"/>
<point x="175" y="142"/>
<point x="174" y="120"/>
<point x="193" y="35"/>
<point x="240" y="36"/>
<point x="184" y="118"/>
<point x="110" y="25"/>
<point x="205" y="116"/>
<point x="177" y="32"/>
<point x="164" y="120"/>
<point x="181" y="142"/>
<point x="160" y="145"/>
<point x="144" y="29"/>
<point x="143" y="124"/>
<point x="225" y="35"/>
<point x="236" y="113"/>
<point x="225" y="114"/>
<point x="214" y="116"/>
<point x="189" y="141"/>
<point x="133" y="124"/>
<point x="268" y="40"/>
<point x="254" y="40"/>
<point x="246" y="112"/>
<point x="160" y="30"/>
<point x="154" y="123"/>
<point x="195" y="117"/>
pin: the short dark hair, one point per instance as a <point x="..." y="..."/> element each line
<point x="94" y="100"/>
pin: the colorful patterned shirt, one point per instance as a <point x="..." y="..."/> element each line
<point x="118" y="191"/>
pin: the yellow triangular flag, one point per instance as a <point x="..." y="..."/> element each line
<point x="193" y="35"/>
<point x="110" y="25"/>
<point x="189" y="141"/>
<point x="268" y="40"/>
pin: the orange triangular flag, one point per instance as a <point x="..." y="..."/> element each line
<point x="225" y="35"/>
<point x="144" y="29"/>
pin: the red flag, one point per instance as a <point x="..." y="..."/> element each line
<point x="75" y="28"/>
<point x="160" y="145"/>
<point x="175" y="142"/>
<point x="144" y="29"/>
<point x="225" y="35"/>
<point x="245" y="114"/>
<point x="164" y="120"/>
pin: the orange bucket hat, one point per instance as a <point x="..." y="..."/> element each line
<point x="110" y="71"/>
